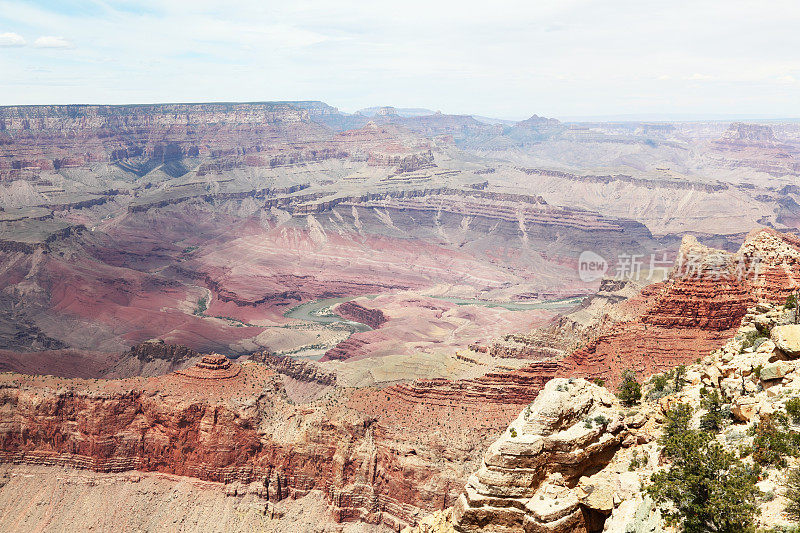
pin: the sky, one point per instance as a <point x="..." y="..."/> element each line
<point x="506" y="59"/>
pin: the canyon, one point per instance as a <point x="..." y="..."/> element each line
<point x="381" y="455"/>
<point x="260" y="305"/>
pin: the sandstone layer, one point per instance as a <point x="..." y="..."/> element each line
<point x="575" y="460"/>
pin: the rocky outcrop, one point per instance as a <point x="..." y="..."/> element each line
<point x="539" y="347"/>
<point x="741" y="132"/>
<point x="298" y="369"/>
<point x="787" y="339"/>
<point x="212" y="367"/>
<point x="158" y="349"/>
<point x="218" y="421"/>
<point x="403" y="162"/>
<point x="374" y="318"/>
<point x="575" y="460"/>
<point x="152" y="358"/>
<point x="772" y="261"/>
<point x="495" y="388"/>
<point x="347" y="349"/>
<point x="528" y="476"/>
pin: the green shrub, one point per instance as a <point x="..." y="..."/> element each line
<point x="659" y="382"/>
<point x="791" y="302"/>
<point x="793" y="494"/>
<point x="202" y="305"/>
<point x="716" y="415"/>
<point x="680" y="377"/>
<point x="636" y="461"/>
<point x="660" y="386"/>
<point x="675" y="427"/>
<point x="600" y="420"/>
<point x="751" y="340"/>
<point x="513" y="432"/>
<point x="630" y="391"/>
<point x="600" y="382"/>
<point x="772" y="443"/>
<point x="793" y="408"/>
<point x="705" y="488"/>
<point x="528" y="411"/>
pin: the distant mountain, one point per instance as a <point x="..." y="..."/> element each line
<point x="536" y="122"/>
<point x="493" y="121"/>
<point x="399" y="111"/>
<point x="749" y="133"/>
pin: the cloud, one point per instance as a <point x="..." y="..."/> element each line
<point x="700" y="77"/>
<point x="11" y="39"/>
<point x="49" y="41"/>
<point x="460" y="56"/>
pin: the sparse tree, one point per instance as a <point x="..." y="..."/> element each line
<point x="705" y="489"/>
<point x="793" y="494"/>
<point x="680" y="377"/>
<point x="715" y="416"/>
<point x="773" y="441"/>
<point x="659" y="382"/>
<point x="630" y="391"/>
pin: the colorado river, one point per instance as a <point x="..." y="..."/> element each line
<point x="318" y="311"/>
<point x="517" y="306"/>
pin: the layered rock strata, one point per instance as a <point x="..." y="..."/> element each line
<point x="576" y="461"/>
<point x="694" y="311"/>
<point x="374" y="318"/>
<point x="298" y="369"/>
<point x="524" y="482"/>
<point x="230" y="423"/>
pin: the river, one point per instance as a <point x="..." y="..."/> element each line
<point x="319" y="310"/>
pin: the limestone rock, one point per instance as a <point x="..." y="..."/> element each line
<point x="711" y="375"/>
<point x="775" y="370"/>
<point x="635" y="421"/>
<point x="787" y="339"/>
<point x="438" y="522"/>
<point x="523" y="483"/>
<point x="766" y="347"/>
<point x="744" y="408"/>
<point x="636" y="515"/>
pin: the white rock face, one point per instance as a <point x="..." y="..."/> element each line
<point x="775" y="370"/>
<point x="524" y="483"/>
<point x="787" y="339"/>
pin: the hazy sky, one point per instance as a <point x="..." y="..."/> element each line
<point x="498" y="58"/>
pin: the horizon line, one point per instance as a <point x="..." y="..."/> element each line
<point x="656" y="117"/>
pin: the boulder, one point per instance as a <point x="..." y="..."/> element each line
<point x="766" y="347"/>
<point x="711" y="375"/>
<point x="763" y="322"/>
<point x="744" y="408"/>
<point x="787" y="339"/>
<point x="775" y="370"/>
<point x="635" y="421"/>
<point x="597" y="494"/>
